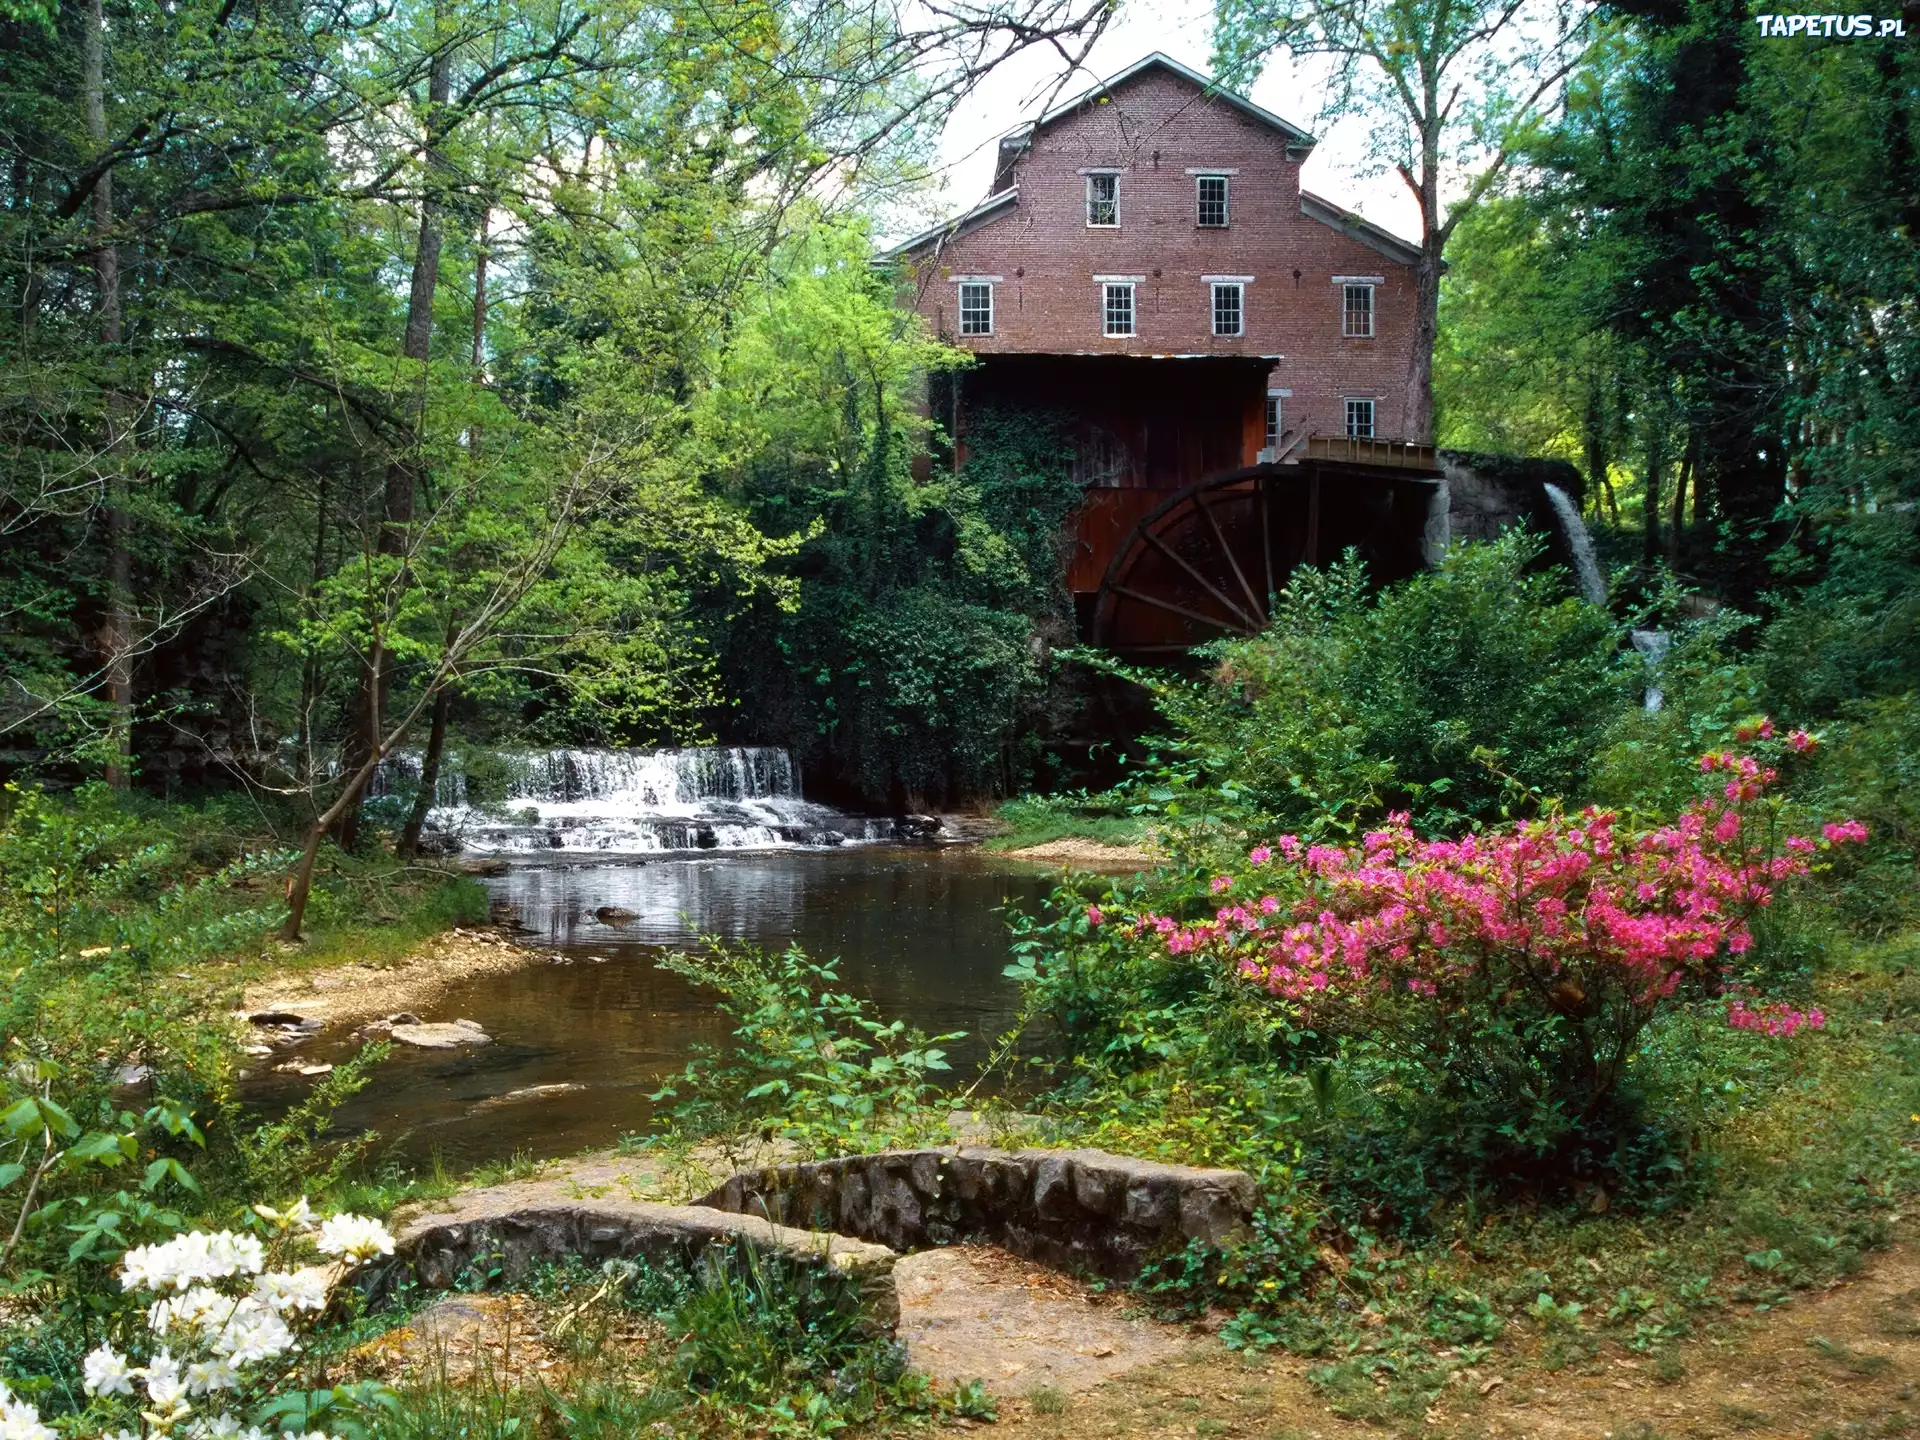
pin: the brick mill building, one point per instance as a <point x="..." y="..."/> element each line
<point x="1234" y="351"/>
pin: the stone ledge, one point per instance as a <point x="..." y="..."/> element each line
<point x="514" y="1238"/>
<point x="1080" y="1210"/>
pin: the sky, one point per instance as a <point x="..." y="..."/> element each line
<point x="1182" y="29"/>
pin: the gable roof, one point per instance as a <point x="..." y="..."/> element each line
<point x="1296" y="137"/>
<point x="1016" y="141"/>
<point x="1358" y="227"/>
<point x="948" y="229"/>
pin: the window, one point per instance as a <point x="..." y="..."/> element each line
<point x="1228" y="309"/>
<point x="1117" y="309"/>
<point x="976" y="307"/>
<point x="1103" y="199"/>
<point x="1212" y="194"/>
<point x="1273" y="422"/>
<point x="1358" y="320"/>
<point x="1360" y="419"/>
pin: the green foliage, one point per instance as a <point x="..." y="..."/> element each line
<point x="908" y="658"/>
<point x="811" y="1063"/>
<point x="1450" y="695"/>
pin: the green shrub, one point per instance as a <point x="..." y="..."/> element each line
<point x="810" y="1063"/>
<point x="1443" y="695"/>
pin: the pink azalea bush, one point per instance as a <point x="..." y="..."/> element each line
<point x="1528" y="958"/>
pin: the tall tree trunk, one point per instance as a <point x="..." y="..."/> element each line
<point x="116" y="632"/>
<point x="1594" y="437"/>
<point x="1650" y="505"/>
<point x="409" y="844"/>
<point x="430" y="762"/>
<point x="1677" y="526"/>
<point x="1426" y="329"/>
<point x="396" y="510"/>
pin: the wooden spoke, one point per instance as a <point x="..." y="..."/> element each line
<point x="1233" y="563"/>
<point x="1160" y="604"/>
<point x="1200" y="580"/>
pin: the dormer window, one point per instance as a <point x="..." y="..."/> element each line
<point x="1103" y="198"/>
<point x="1211" y="201"/>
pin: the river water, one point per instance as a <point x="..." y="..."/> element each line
<point x="920" y="932"/>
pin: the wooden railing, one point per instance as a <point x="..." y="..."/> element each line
<point x="1405" y="454"/>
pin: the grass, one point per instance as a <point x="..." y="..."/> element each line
<point x="735" y="1347"/>
<point x="1038" y="819"/>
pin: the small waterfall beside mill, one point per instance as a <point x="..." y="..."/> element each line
<point x="1586" y="569"/>
<point x="627" y="802"/>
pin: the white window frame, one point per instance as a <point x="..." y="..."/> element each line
<point x="1372" y="414"/>
<point x="972" y="283"/>
<point x="1108" y="288"/>
<point x="1276" y="418"/>
<point x="1112" y="176"/>
<point x="1200" y="220"/>
<point x="1239" y="289"/>
<point x="1348" y="290"/>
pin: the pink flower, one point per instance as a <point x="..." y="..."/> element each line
<point x="1094" y="917"/>
<point x="1847" y="832"/>
<point x="1803" y="741"/>
<point x="1259" y="855"/>
<point x="1222" y="882"/>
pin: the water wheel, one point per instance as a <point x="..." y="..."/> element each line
<point x="1208" y="560"/>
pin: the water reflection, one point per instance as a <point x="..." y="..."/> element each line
<point x="920" y="933"/>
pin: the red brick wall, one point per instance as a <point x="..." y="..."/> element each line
<point x="1154" y="128"/>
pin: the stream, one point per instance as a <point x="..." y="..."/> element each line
<point x="918" y="931"/>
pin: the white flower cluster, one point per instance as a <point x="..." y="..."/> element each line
<point x="191" y="1259"/>
<point x="355" y="1237"/>
<point x="19" y="1420"/>
<point x="220" y="1332"/>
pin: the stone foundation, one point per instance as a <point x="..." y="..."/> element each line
<point x="1079" y="1210"/>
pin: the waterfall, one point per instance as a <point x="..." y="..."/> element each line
<point x="630" y="802"/>
<point x="1653" y="646"/>
<point x="1586" y="570"/>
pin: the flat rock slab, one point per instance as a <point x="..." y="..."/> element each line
<point x="449" y="1036"/>
<point x="456" y="1338"/>
<point x="974" y="1312"/>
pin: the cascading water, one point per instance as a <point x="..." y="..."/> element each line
<point x="1652" y="646"/>
<point x="632" y="802"/>
<point x="1586" y="569"/>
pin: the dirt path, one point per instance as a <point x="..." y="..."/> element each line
<point x="362" y="992"/>
<point x="1839" y="1365"/>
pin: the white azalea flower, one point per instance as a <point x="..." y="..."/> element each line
<point x="192" y="1259"/>
<point x="20" y="1421"/>
<point x="105" y="1372"/>
<point x="166" y="1386"/>
<point x="191" y="1308"/>
<point x="283" y="1290"/>
<point x="206" y="1376"/>
<point x="252" y="1334"/>
<point x="354" y="1236"/>
<point x="297" y="1216"/>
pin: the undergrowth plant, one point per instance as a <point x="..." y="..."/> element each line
<point x="810" y="1063"/>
